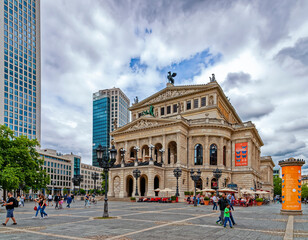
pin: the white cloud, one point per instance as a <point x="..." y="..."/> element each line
<point x="88" y="47"/>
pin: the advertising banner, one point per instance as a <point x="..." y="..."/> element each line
<point x="241" y="154"/>
<point x="291" y="188"/>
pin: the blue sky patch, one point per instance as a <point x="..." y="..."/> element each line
<point x="136" y="65"/>
<point x="188" y="68"/>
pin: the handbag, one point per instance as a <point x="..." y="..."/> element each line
<point x="35" y="208"/>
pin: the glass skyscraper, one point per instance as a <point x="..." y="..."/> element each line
<point x="20" y="67"/>
<point x="110" y="109"/>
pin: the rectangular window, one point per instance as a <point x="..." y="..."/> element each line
<point x="162" y="111"/>
<point x="203" y="102"/>
<point x="196" y="103"/>
<point x="168" y="109"/>
<point x="175" y="108"/>
<point x="188" y="105"/>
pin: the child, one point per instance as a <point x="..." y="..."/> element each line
<point x="227" y="216"/>
<point x="60" y="204"/>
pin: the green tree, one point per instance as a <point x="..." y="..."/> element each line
<point x="20" y="165"/>
<point x="277" y="186"/>
<point x="305" y="191"/>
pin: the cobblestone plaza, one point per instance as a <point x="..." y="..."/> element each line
<point x="154" y="221"/>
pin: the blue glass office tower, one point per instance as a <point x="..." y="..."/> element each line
<point x="20" y="70"/>
<point x="110" y="109"/>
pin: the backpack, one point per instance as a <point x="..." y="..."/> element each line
<point x="15" y="203"/>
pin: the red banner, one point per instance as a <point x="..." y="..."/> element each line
<point x="241" y="154"/>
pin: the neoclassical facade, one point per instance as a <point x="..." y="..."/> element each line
<point x="190" y="127"/>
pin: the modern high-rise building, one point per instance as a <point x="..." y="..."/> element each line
<point x="20" y="67"/>
<point x="110" y="110"/>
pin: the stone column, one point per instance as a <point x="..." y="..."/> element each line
<point x="110" y="185"/>
<point x="206" y="152"/>
<point x="151" y="192"/>
<point x="139" y="153"/>
<point x="220" y="153"/>
<point x="121" y="194"/>
<point x="291" y="186"/>
<point x="166" y="149"/>
<point x="127" y="153"/>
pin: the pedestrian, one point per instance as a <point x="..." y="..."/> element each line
<point x="50" y="199"/>
<point x="227" y="212"/>
<point x="43" y="205"/>
<point x="22" y="198"/>
<point x="86" y="200"/>
<point x="73" y="198"/>
<point x="222" y="202"/>
<point x="215" y="201"/>
<point x="37" y="200"/>
<point x="9" y="205"/>
<point x="232" y="201"/>
<point x="69" y="201"/>
<point x="57" y="200"/>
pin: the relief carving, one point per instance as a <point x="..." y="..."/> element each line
<point x="170" y="94"/>
<point x="143" y="124"/>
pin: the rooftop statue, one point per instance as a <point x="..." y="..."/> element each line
<point x="170" y="77"/>
<point x="136" y="100"/>
<point x="212" y="79"/>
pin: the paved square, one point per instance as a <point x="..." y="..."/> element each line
<point x="154" y="221"/>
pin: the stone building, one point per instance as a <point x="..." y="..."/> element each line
<point x="190" y="127"/>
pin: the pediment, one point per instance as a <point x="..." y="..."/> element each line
<point x="171" y="93"/>
<point x="143" y="123"/>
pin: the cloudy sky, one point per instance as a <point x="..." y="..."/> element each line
<point x="258" y="51"/>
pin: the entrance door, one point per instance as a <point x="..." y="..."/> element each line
<point x="129" y="186"/>
<point x="142" y="186"/>
<point x="156" y="185"/>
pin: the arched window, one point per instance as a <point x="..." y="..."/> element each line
<point x="224" y="155"/>
<point x="213" y="154"/>
<point x="198" y="154"/>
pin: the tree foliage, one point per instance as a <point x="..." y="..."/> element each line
<point x="277" y="186"/>
<point x="20" y="165"/>
<point x="305" y="191"/>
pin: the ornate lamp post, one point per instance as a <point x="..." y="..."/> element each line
<point x="122" y="152"/>
<point x="177" y="173"/>
<point x="53" y="186"/>
<point x="106" y="164"/>
<point x="195" y="176"/>
<point x="151" y="148"/>
<point x="95" y="177"/>
<point x="136" y="174"/>
<point x="137" y="150"/>
<point x="217" y="174"/>
<point x="162" y="152"/>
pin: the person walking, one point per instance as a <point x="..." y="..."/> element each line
<point x="73" y="198"/>
<point x="22" y="198"/>
<point x="50" y="199"/>
<point x="57" y="200"/>
<point x="38" y="200"/>
<point x="43" y="206"/>
<point x="69" y="201"/>
<point x="227" y="212"/>
<point x="222" y="202"/>
<point x="9" y="205"/>
<point x="86" y="200"/>
<point x="215" y="201"/>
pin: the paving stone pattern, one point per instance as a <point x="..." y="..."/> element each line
<point x="151" y="221"/>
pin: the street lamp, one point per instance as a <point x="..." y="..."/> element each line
<point x="122" y="152"/>
<point x="217" y="174"/>
<point x="151" y="148"/>
<point x="195" y="176"/>
<point x="137" y="150"/>
<point x="106" y="164"/>
<point x="177" y="173"/>
<point x="136" y="174"/>
<point x="53" y="186"/>
<point x="95" y="177"/>
<point x="162" y="152"/>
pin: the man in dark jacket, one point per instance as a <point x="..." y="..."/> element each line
<point x="9" y="209"/>
<point x="222" y="203"/>
<point x="57" y="200"/>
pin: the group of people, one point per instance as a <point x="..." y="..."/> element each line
<point x="225" y="211"/>
<point x="89" y="199"/>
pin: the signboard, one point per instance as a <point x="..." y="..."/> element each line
<point x="241" y="154"/>
<point x="291" y="188"/>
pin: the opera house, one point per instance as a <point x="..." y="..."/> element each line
<point x="190" y="127"/>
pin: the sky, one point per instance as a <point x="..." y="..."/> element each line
<point x="258" y="51"/>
